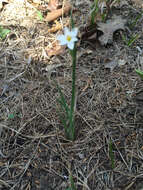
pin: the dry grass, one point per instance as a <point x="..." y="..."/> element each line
<point x="33" y="151"/>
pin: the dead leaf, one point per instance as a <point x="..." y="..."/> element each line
<point x="108" y="29"/>
<point x="58" y="26"/>
<point x="53" y="5"/>
<point x="111" y="65"/>
<point x="56" y="49"/>
<point x="57" y="13"/>
<point x="88" y="33"/>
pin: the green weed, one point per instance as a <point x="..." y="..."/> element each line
<point x="140" y="73"/>
<point x="133" y="38"/>
<point x="3" y="32"/>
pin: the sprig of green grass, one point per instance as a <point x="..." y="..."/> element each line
<point x="134" y="22"/>
<point x="3" y="32"/>
<point x="39" y="14"/>
<point x="140" y="73"/>
<point x="94" y="11"/>
<point x="132" y="39"/>
<point x="72" y="186"/>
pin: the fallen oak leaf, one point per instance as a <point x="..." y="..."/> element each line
<point x="58" y="26"/>
<point x="88" y="32"/>
<point x="57" y="13"/>
<point x="108" y="29"/>
<point x="56" y="49"/>
<point x="111" y="65"/>
<point x="53" y="5"/>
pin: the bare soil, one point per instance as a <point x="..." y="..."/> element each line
<point x="34" y="154"/>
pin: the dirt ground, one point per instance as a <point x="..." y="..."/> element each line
<point x="34" y="154"/>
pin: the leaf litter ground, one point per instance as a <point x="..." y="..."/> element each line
<point x="34" y="153"/>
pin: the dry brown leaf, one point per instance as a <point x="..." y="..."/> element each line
<point x="53" y="5"/>
<point x="58" y="26"/>
<point x="111" y="65"/>
<point x="108" y="28"/>
<point x="57" y="13"/>
<point x="56" y="49"/>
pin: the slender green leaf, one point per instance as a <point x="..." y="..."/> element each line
<point x="71" y="20"/>
<point x="72" y="183"/>
<point x="3" y="32"/>
<point x="94" y="11"/>
<point x="136" y="20"/>
<point x="133" y="39"/>
<point x="40" y="15"/>
<point x="62" y="101"/>
<point x="140" y="73"/>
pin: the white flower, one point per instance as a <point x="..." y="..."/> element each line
<point x="69" y="37"/>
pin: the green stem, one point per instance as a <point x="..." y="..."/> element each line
<point x="71" y="131"/>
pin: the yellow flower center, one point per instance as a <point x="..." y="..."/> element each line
<point x="69" y="38"/>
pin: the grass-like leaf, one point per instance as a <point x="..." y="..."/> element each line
<point x="3" y="32"/>
<point x="140" y="73"/>
<point x="131" y="40"/>
<point x="94" y="11"/>
<point x="72" y="183"/>
<point x="40" y="15"/>
<point x="71" y="20"/>
<point x="62" y="101"/>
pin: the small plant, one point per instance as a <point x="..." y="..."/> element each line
<point x="94" y="11"/>
<point x="99" y="8"/>
<point x="39" y="14"/>
<point x="14" y="115"/>
<point x="140" y="73"/>
<point x="69" y="38"/>
<point x="3" y="32"/>
<point x="136" y="20"/>
<point x="132" y="39"/>
<point x="72" y="186"/>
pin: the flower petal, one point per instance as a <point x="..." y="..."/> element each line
<point x="70" y="45"/>
<point x="74" y="39"/>
<point x="60" y="37"/>
<point x="66" y="31"/>
<point x="74" y="32"/>
<point x="62" y="40"/>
